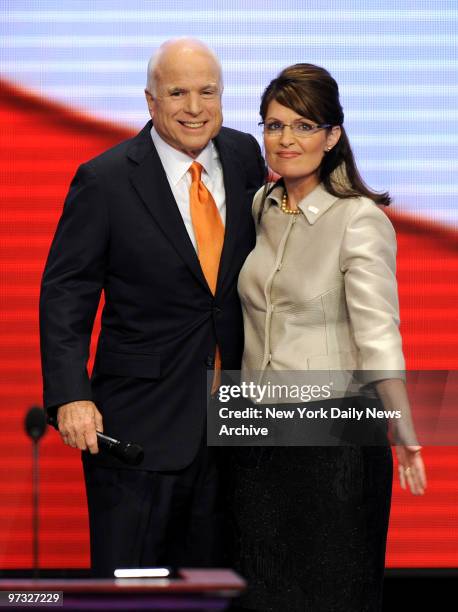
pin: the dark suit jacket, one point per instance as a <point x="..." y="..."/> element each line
<point x="121" y="231"/>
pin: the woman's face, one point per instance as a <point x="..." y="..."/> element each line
<point x="294" y="156"/>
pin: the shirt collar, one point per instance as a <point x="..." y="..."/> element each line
<point x="313" y="205"/>
<point x="176" y="163"/>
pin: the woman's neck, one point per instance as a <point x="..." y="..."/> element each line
<point x="298" y="189"/>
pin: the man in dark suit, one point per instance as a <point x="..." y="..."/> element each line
<point x="129" y="228"/>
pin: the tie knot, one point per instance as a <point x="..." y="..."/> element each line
<point x="196" y="171"/>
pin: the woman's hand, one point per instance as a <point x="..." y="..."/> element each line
<point x="393" y="395"/>
<point x="411" y="469"/>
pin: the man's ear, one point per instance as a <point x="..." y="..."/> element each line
<point x="150" y="102"/>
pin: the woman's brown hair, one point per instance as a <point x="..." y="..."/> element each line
<point x="311" y="92"/>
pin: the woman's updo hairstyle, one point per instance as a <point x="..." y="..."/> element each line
<point x="311" y="92"/>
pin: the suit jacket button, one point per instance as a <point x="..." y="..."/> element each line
<point x="210" y="361"/>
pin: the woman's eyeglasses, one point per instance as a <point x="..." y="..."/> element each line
<point x="300" y="128"/>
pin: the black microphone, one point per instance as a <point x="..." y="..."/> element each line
<point x="127" y="452"/>
<point x="35" y="423"/>
<point x="35" y="427"/>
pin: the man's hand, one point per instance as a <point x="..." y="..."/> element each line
<point x="78" y="422"/>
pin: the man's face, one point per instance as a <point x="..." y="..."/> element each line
<point x="186" y="106"/>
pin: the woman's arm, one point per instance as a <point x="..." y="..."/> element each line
<point x="368" y="260"/>
<point x="393" y="395"/>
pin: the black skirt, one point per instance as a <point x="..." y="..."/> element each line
<point x="308" y="526"/>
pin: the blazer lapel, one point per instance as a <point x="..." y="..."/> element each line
<point x="317" y="203"/>
<point x="150" y="181"/>
<point x="234" y="187"/>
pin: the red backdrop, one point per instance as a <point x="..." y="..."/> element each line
<point x="41" y="146"/>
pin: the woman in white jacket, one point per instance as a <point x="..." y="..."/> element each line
<point x="319" y="293"/>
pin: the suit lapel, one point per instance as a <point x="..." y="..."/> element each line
<point x="317" y="203"/>
<point x="150" y="181"/>
<point x="234" y="187"/>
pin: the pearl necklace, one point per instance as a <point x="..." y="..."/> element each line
<point x="285" y="208"/>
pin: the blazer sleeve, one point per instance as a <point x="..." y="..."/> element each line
<point x="253" y="163"/>
<point x="259" y="165"/>
<point x="70" y="291"/>
<point x="368" y="261"/>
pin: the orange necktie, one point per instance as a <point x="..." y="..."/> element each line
<point x="209" y="232"/>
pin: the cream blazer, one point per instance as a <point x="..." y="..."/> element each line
<point x="319" y="290"/>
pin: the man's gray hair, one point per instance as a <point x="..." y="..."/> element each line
<point x="157" y="55"/>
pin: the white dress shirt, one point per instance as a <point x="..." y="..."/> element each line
<point x="176" y="165"/>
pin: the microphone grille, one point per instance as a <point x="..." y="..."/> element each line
<point x="35" y="422"/>
<point x="133" y="453"/>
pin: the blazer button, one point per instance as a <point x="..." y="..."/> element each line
<point x="210" y="361"/>
<point x="216" y="309"/>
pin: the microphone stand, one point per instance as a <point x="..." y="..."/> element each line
<point x="36" y="505"/>
<point x="35" y="427"/>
